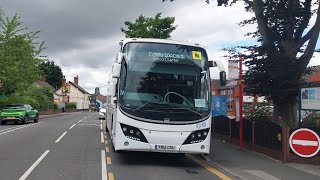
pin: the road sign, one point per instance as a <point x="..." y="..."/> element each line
<point x="219" y="105"/>
<point x="304" y="142"/>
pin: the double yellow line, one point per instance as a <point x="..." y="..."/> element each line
<point x="209" y="168"/>
<point x="108" y="159"/>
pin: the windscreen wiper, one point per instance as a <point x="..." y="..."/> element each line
<point x="189" y="110"/>
<point x="143" y="105"/>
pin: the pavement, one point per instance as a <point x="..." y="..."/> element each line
<point x="247" y="164"/>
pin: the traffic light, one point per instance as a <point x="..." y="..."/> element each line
<point x="223" y="78"/>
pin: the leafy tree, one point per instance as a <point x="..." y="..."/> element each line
<point x="52" y="72"/>
<point x="40" y="98"/>
<point x="19" y="55"/>
<point x="287" y="39"/>
<point x="150" y="27"/>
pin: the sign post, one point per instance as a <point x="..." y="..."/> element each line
<point x="304" y="142"/>
<point x="240" y="104"/>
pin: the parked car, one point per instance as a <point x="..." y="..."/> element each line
<point x="18" y="113"/>
<point x="102" y="113"/>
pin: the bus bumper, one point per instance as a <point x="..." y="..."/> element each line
<point x="174" y="143"/>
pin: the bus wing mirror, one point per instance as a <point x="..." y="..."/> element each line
<point x="212" y="64"/>
<point x="116" y="68"/>
<point x="223" y="78"/>
<point x="111" y="90"/>
<point x="119" y="58"/>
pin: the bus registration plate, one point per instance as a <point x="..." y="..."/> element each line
<point x="165" y="147"/>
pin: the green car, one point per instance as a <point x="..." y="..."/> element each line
<point x="19" y="113"/>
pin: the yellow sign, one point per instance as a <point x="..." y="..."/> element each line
<point x="66" y="89"/>
<point x="196" y="55"/>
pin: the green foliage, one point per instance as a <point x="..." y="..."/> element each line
<point x="44" y="95"/>
<point x="313" y="120"/>
<point x="55" y="107"/>
<point x="261" y="113"/>
<point x="19" y="55"/>
<point x="15" y="98"/>
<point x="71" y="105"/>
<point x="150" y="27"/>
<point x="52" y="72"/>
<point x="40" y="98"/>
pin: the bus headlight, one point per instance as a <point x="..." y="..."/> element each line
<point x="197" y="136"/>
<point x="134" y="133"/>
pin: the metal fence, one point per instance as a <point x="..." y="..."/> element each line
<point x="263" y="133"/>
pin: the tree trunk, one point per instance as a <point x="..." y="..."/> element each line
<point x="285" y="111"/>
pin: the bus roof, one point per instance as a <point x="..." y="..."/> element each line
<point x="166" y="41"/>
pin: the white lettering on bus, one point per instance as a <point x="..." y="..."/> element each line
<point x="166" y="55"/>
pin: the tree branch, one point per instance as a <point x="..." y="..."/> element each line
<point x="305" y="21"/>
<point x="262" y="24"/>
<point x="248" y="2"/>
<point x="305" y="38"/>
<point x="308" y="53"/>
<point x="293" y="6"/>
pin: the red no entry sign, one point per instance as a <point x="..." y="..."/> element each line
<point x="304" y="142"/>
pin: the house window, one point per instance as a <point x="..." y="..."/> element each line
<point x="213" y="93"/>
<point x="230" y="105"/>
<point x="230" y="92"/>
<point x="223" y="92"/>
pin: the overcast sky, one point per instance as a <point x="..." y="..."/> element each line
<point x="83" y="36"/>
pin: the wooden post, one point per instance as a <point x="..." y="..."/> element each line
<point x="285" y="144"/>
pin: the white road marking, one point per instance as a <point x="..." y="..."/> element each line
<point x="104" y="170"/>
<point x="101" y="126"/>
<point x="100" y="121"/>
<point x="102" y="137"/>
<point x="72" y="126"/>
<point x="304" y="142"/>
<point x="11" y="130"/>
<point x="34" y="165"/>
<point x="87" y="124"/>
<point x="80" y="120"/>
<point x="61" y="137"/>
<point x="262" y="174"/>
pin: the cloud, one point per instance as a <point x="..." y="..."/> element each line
<point x="82" y="36"/>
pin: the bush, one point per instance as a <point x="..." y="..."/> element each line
<point x="261" y="113"/>
<point x="313" y="120"/>
<point x="40" y="98"/>
<point x="55" y="107"/>
<point x="71" y="105"/>
<point x="13" y="99"/>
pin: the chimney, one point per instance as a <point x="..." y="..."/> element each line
<point x="43" y="78"/>
<point x="76" y="80"/>
<point x="63" y="81"/>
